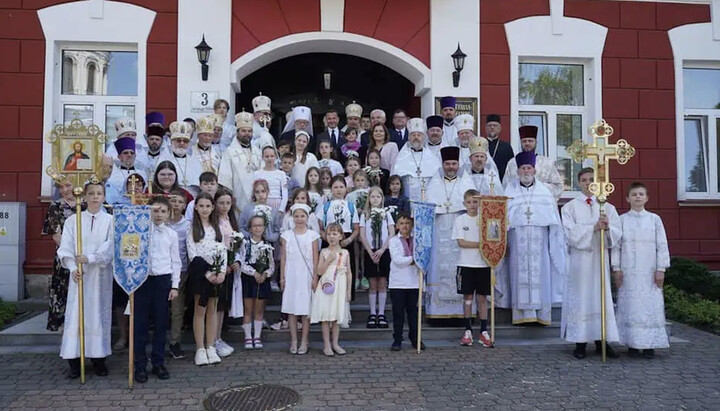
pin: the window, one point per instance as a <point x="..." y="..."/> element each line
<point x="99" y="87"/>
<point x="700" y="174"/>
<point x="551" y="96"/>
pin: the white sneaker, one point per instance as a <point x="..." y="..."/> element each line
<point x="279" y="325"/>
<point x="274" y="287"/>
<point x="201" y="357"/>
<point x="345" y="326"/>
<point x="223" y="349"/>
<point x="212" y="355"/>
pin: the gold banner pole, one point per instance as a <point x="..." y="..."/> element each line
<point x="81" y="300"/>
<point x="603" y="328"/>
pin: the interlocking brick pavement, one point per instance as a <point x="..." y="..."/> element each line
<point x="505" y="378"/>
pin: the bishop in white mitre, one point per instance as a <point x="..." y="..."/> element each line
<point x="240" y="161"/>
<point x="415" y="164"/>
<point x="261" y="123"/>
<point x="481" y="168"/>
<point x="204" y="151"/>
<point x="536" y="248"/>
<point x="545" y="169"/>
<point x="581" y="309"/>
<point x="447" y="190"/>
<point x="97" y="241"/>
<point x="639" y="262"/>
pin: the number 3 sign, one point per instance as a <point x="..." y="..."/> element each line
<point x="202" y="101"/>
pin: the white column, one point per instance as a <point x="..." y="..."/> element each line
<point x="332" y="15"/>
<point x="196" y="18"/>
<point x="453" y="22"/>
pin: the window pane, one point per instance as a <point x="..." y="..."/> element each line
<point x="113" y="114"/>
<point x="551" y="84"/>
<point x="537" y="120"/>
<point x="701" y="88"/>
<point x="695" y="161"/>
<point x="569" y="129"/>
<point x="82" y="111"/>
<point x="100" y="73"/>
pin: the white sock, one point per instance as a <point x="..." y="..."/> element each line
<point x="382" y="299"/>
<point x="373" y="302"/>
<point x="258" y="328"/>
<point x="247" y="329"/>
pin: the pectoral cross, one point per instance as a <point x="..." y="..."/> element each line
<point x="491" y="176"/>
<point x="133" y="180"/>
<point x="528" y="213"/>
<point x="418" y="172"/>
<point x="447" y="205"/>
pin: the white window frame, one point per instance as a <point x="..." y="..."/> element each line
<point x="556" y="39"/>
<point x="695" y="46"/>
<point x="112" y="26"/>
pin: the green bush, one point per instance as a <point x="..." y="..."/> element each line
<point x="7" y="312"/>
<point x="692" y="310"/>
<point x="693" y="278"/>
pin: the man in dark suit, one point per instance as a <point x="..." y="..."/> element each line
<point x="398" y="133"/>
<point x="332" y="132"/>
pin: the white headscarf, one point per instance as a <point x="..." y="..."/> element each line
<point x="300" y="113"/>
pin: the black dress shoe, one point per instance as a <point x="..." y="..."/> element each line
<point x="422" y="346"/>
<point x="99" y="366"/>
<point x="161" y="372"/>
<point x="649" y="354"/>
<point x="74" y="368"/>
<point x="396" y="346"/>
<point x="609" y="352"/>
<point x="141" y="376"/>
<point x="579" y="351"/>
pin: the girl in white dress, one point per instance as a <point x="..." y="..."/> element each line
<point x="297" y="269"/>
<point x="351" y="166"/>
<point x="277" y="180"/>
<point x="303" y="159"/>
<point x="314" y="189"/>
<point x="205" y="245"/>
<point x="332" y="290"/>
<point x="327" y="158"/>
<point x="97" y="240"/>
<point x="300" y="196"/>
<point x="326" y="177"/>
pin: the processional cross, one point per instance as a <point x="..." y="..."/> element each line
<point x="601" y="152"/>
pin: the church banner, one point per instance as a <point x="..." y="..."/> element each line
<point x="424" y="216"/>
<point x="493" y="228"/>
<point x="131" y="260"/>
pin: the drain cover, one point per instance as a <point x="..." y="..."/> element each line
<point x="253" y="397"/>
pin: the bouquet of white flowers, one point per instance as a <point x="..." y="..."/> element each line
<point x="265" y="212"/>
<point x="377" y="217"/>
<point x="218" y="259"/>
<point x="261" y="256"/>
<point x="374" y="175"/>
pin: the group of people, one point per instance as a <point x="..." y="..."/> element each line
<point x="238" y="213"/>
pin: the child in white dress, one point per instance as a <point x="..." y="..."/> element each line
<point x="332" y="290"/>
<point x="314" y="189"/>
<point x="297" y="263"/>
<point x="277" y="180"/>
<point x="327" y="159"/>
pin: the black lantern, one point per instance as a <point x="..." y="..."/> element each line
<point x="203" y="52"/>
<point x="459" y="62"/>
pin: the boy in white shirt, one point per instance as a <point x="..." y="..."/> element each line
<point x="161" y="286"/>
<point x="473" y="273"/>
<point x="208" y="184"/>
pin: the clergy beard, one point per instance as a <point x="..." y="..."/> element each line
<point x="417" y="146"/>
<point x="179" y="151"/>
<point x="527" y="180"/>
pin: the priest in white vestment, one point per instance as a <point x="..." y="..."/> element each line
<point x="447" y="107"/>
<point x="97" y="241"/>
<point x="581" y="310"/>
<point x="261" y="123"/>
<point x="639" y="262"/>
<point x="188" y="167"/>
<point x="115" y="184"/>
<point x="536" y="248"/>
<point x="415" y="164"/>
<point x="435" y="136"/>
<point x="545" y="169"/>
<point x="481" y="168"/>
<point x="446" y="190"/>
<point x="204" y="151"/>
<point x="240" y="161"/>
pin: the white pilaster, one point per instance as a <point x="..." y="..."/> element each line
<point x="332" y="15"/>
<point x="453" y="22"/>
<point x="211" y="18"/>
<point x="557" y="12"/>
<point x="715" y="18"/>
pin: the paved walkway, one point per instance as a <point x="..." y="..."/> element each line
<point x="507" y="377"/>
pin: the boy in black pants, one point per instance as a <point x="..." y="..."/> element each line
<point x="161" y="286"/>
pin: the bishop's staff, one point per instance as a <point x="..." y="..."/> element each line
<point x="601" y="152"/>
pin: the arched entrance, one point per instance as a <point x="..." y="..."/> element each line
<point x="325" y="81"/>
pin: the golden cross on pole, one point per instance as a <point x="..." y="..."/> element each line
<point x="601" y="152"/>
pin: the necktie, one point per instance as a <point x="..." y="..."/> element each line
<point x="92" y="223"/>
<point x="333" y="136"/>
<point x="588" y="201"/>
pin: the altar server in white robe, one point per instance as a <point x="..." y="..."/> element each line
<point x="545" y="169"/>
<point x="204" y="151"/>
<point x="262" y="119"/>
<point x="97" y="241"/>
<point x="415" y="164"/>
<point x="240" y="161"/>
<point x="446" y="189"/>
<point x="639" y="264"/>
<point x="581" y="309"/>
<point x="536" y="248"/>
<point x="188" y="167"/>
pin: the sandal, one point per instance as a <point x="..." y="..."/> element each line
<point x="372" y="321"/>
<point x="249" y="344"/>
<point x="303" y="348"/>
<point x="293" y="347"/>
<point x="382" y="321"/>
<point x="338" y="350"/>
<point x="328" y="352"/>
<point x="257" y="343"/>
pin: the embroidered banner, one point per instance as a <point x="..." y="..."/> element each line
<point x="424" y="216"/>
<point x="493" y="228"/>
<point x="131" y="261"/>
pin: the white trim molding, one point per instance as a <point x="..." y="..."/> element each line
<point x="88" y="23"/>
<point x="332" y="15"/>
<point x="378" y="51"/>
<point x="693" y="45"/>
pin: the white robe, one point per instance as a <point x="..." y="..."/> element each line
<point x="482" y="182"/>
<point x="642" y="250"/>
<point x="209" y="159"/>
<point x="149" y="163"/>
<point x="450" y="137"/>
<point x="545" y="171"/>
<point x="236" y="171"/>
<point x="532" y="279"/>
<point x="261" y="137"/>
<point x="97" y="285"/>
<point x="115" y="184"/>
<point x="188" y="170"/>
<point x="406" y="166"/>
<point x="581" y="313"/>
<point x="443" y="301"/>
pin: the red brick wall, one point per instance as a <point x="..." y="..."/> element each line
<point x="22" y="46"/>
<point x="638" y="100"/>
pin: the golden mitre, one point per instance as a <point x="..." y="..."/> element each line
<point x="180" y="129"/>
<point x="478" y="145"/>
<point x="243" y="120"/>
<point x="206" y="124"/>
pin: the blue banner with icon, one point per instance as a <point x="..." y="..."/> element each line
<point x="424" y="216"/>
<point x="131" y="262"/>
